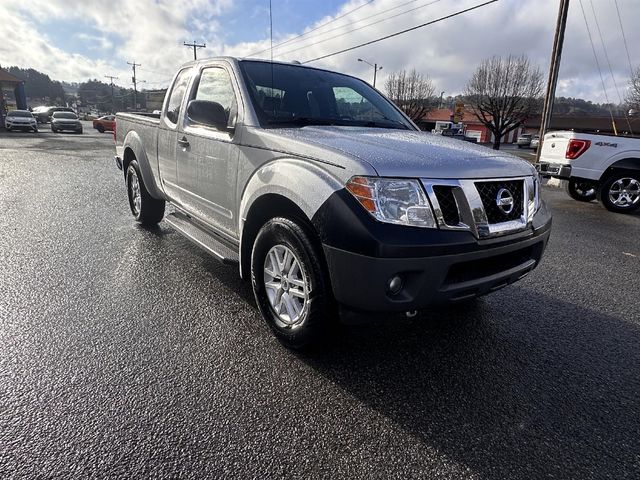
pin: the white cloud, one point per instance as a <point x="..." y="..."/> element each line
<point x="151" y="32"/>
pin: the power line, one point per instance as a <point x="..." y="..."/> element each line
<point x="195" y="46"/>
<point x="401" y="32"/>
<point x="606" y="56"/>
<point x="383" y="12"/>
<point x="360" y="28"/>
<point x="314" y="29"/>
<point x="624" y="37"/>
<point x="595" y="56"/>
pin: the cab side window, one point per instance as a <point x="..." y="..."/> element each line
<point x="177" y="94"/>
<point x="215" y="86"/>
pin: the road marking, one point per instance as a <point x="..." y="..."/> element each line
<point x="630" y="254"/>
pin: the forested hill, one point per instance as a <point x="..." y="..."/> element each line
<point x="38" y="84"/>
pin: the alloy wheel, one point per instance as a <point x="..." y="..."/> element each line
<point x="286" y="286"/>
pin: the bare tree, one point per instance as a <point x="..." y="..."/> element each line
<point x="633" y="97"/>
<point x="412" y="92"/>
<point x="502" y="93"/>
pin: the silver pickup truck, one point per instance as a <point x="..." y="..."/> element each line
<point x="326" y="195"/>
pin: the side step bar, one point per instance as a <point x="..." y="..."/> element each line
<point x="212" y="243"/>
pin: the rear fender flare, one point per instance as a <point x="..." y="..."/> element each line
<point x="132" y="143"/>
<point x="628" y="164"/>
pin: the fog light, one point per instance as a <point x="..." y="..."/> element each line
<point x="394" y="285"/>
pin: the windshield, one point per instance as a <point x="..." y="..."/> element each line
<point x="65" y="115"/>
<point x="19" y="113"/>
<point x="296" y="96"/>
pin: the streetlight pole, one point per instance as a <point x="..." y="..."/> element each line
<point x="375" y="69"/>
<point x="441" y="94"/>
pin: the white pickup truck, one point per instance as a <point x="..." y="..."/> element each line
<point x="596" y="166"/>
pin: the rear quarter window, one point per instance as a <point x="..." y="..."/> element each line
<point x="177" y="94"/>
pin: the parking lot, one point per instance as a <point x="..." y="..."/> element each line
<point x="131" y="353"/>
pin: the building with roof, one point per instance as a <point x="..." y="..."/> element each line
<point x="473" y="127"/>
<point x="14" y="86"/>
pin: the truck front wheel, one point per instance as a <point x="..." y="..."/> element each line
<point x="582" y="190"/>
<point x="290" y="285"/>
<point x="146" y="209"/>
<point x="621" y="192"/>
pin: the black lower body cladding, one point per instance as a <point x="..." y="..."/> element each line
<point x="383" y="267"/>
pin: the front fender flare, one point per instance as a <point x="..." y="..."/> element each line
<point x="304" y="183"/>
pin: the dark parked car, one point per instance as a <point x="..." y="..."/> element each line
<point x="61" y="121"/>
<point x="44" y="115"/>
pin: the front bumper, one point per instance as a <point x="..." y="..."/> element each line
<point x="23" y="126"/>
<point x="66" y="128"/>
<point x="435" y="266"/>
<point x="555" y="170"/>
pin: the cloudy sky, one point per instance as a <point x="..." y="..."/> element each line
<point x="76" y="40"/>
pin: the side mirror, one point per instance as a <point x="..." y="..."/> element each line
<point x="207" y="113"/>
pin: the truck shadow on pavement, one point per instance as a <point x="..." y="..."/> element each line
<point x="551" y="391"/>
<point x="518" y="385"/>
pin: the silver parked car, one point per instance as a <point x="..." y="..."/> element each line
<point x="524" y="140"/>
<point x="20" y="120"/>
<point x="535" y="142"/>
<point x="61" y="121"/>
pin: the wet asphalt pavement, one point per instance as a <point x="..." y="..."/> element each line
<point x="128" y="353"/>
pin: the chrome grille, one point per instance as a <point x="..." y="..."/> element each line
<point x="448" y="204"/>
<point x="472" y="205"/>
<point x="489" y="193"/>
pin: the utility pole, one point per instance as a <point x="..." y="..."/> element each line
<point x="195" y="47"/>
<point x="135" y="86"/>
<point x="556" y="54"/>
<point x="375" y="70"/>
<point x="112" y="78"/>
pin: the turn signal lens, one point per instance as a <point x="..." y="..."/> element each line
<point x="399" y="201"/>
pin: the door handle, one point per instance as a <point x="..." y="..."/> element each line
<point x="183" y="142"/>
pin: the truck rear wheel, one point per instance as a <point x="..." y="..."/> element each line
<point x="621" y="192"/>
<point x="582" y="190"/>
<point x="290" y="285"/>
<point x="146" y="209"/>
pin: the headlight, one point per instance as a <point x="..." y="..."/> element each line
<point x="392" y="200"/>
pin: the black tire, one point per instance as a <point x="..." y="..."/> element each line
<point x="100" y="128"/>
<point x="582" y="190"/>
<point x="620" y="192"/>
<point x="54" y="130"/>
<point x="149" y="211"/>
<point x="317" y="312"/>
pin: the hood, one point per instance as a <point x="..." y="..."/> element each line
<point x="402" y="153"/>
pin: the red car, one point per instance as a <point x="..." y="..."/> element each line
<point x="108" y="122"/>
